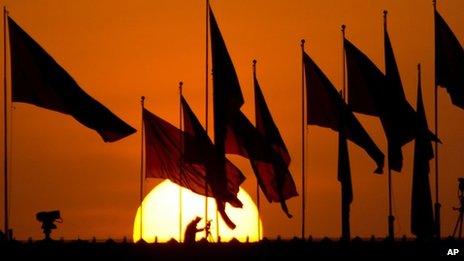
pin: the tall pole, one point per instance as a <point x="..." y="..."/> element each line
<point x="391" y="218"/>
<point x="345" y="205"/>
<point x="142" y="102"/>
<point x="303" y="143"/>
<point x="257" y="183"/>
<point x="206" y="110"/>
<point x="343" y="63"/>
<point x="181" y="166"/>
<point x="437" y="205"/>
<point x="5" y="126"/>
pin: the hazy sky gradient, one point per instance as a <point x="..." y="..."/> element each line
<point x="120" y="50"/>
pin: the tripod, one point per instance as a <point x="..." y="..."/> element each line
<point x="209" y="237"/>
<point x="460" y="219"/>
<point x="460" y="209"/>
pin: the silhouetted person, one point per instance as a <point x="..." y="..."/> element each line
<point x="192" y="230"/>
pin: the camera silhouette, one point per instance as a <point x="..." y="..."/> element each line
<point x="48" y="218"/>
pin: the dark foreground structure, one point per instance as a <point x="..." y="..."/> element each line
<point x="264" y="250"/>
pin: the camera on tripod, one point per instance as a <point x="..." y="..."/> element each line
<point x="208" y="226"/>
<point x="460" y="209"/>
<point x="48" y="218"/>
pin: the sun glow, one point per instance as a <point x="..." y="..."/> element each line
<point x="161" y="219"/>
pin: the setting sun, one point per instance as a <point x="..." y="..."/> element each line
<point x="161" y="215"/>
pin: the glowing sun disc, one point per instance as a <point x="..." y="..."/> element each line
<point x="161" y="217"/>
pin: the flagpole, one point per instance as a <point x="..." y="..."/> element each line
<point x="5" y="124"/>
<point x="206" y="114"/>
<point x="437" y="205"/>
<point x="303" y="143"/>
<point x="181" y="169"/>
<point x="343" y="61"/>
<point x="391" y="218"/>
<point x="345" y="211"/>
<point x="142" y="102"/>
<point x="257" y="183"/>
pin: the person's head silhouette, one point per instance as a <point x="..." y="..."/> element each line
<point x="196" y="219"/>
<point x="191" y="230"/>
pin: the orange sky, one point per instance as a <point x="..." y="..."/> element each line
<point x="120" y="50"/>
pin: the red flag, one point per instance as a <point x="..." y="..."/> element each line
<point x="449" y="61"/>
<point x="327" y="109"/>
<point x="344" y="171"/>
<point x="233" y="133"/>
<point x="199" y="149"/>
<point x="344" y="177"/>
<point x="365" y="81"/>
<point x="38" y="79"/>
<point x="401" y="120"/>
<point x="372" y="93"/>
<point x="266" y="126"/>
<point x="271" y="171"/>
<point x="227" y="95"/>
<point x="422" y="219"/>
<point x="163" y="150"/>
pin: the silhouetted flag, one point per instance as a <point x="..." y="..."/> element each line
<point x="227" y="96"/>
<point x="327" y="109"/>
<point x="266" y="126"/>
<point x="270" y="168"/>
<point x="198" y="149"/>
<point x="38" y="79"/>
<point x="233" y="133"/>
<point x="401" y="119"/>
<point x="422" y="219"/>
<point x="344" y="177"/>
<point x="344" y="172"/>
<point x="372" y="93"/>
<point x="163" y="151"/>
<point x="365" y="81"/>
<point x="449" y="61"/>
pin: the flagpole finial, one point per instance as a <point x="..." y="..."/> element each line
<point x="385" y="12"/>
<point x="343" y="27"/>
<point x="142" y="100"/>
<point x="302" y="43"/>
<point x="180" y="87"/>
<point x="254" y="68"/>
